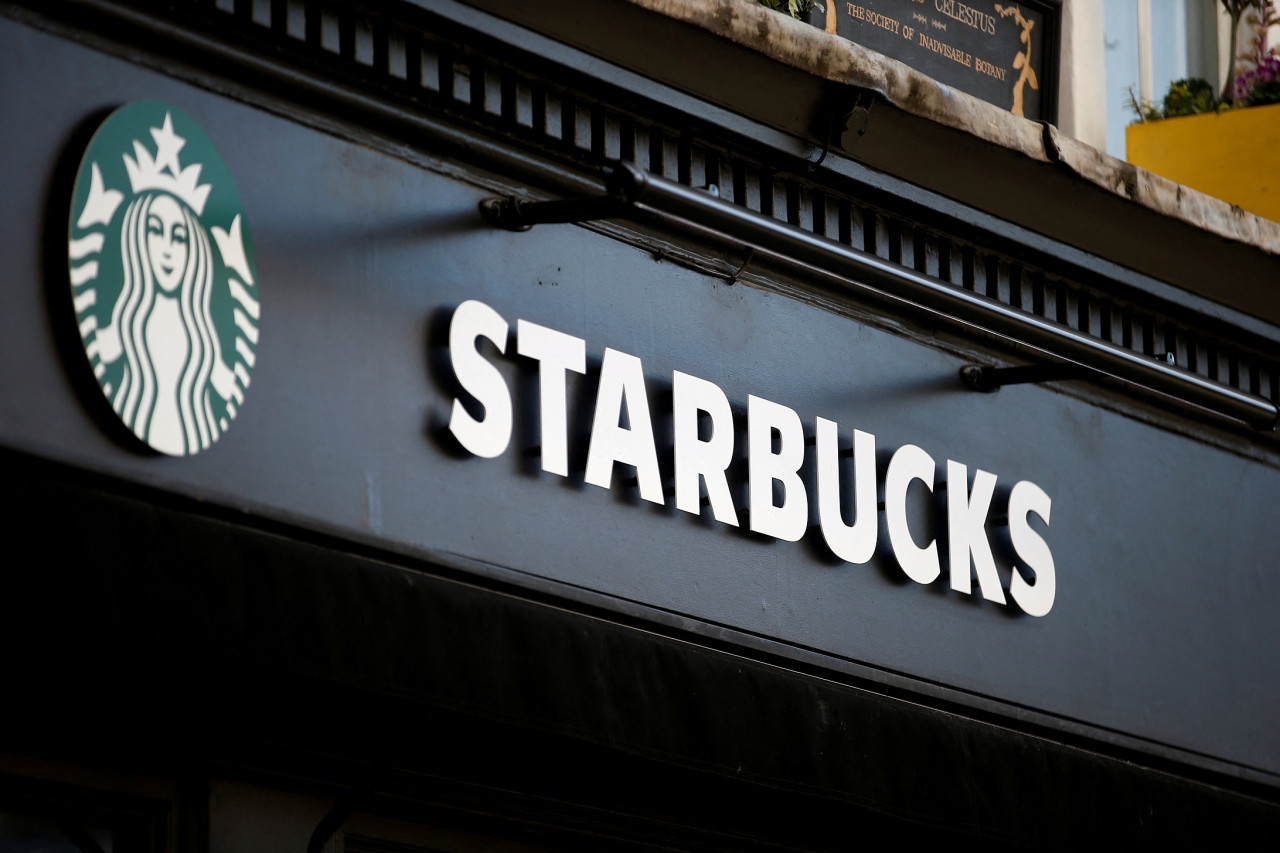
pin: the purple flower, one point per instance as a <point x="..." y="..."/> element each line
<point x="1266" y="71"/>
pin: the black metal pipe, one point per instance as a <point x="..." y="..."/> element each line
<point x="989" y="379"/>
<point x="866" y="272"/>
<point x="516" y="214"/>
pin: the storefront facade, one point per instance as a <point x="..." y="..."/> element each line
<point x="662" y="528"/>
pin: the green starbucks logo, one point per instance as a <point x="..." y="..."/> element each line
<point x="162" y="278"/>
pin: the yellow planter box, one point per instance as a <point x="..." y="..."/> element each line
<point x="1234" y="155"/>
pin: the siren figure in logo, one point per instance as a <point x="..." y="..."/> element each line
<point x="174" y="387"/>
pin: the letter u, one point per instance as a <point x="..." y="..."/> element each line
<point x="854" y="543"/>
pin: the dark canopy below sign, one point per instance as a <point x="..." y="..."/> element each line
<point x="1003" y="53"/>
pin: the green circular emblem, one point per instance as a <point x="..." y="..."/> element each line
<point x="162" y="278"/>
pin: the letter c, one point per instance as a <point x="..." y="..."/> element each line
<point x="909" y="463"/>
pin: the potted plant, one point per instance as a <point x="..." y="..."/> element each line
<point x="1225" y="145"/>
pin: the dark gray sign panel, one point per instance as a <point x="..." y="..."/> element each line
<point x="1162" y="625"/>
<point x="1003" y="53"/>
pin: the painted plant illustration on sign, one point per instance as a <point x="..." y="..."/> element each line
<point x="1022" y="60"/>
<point x="162" y="278"/>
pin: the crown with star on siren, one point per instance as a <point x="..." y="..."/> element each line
<point x="163" y="172"/>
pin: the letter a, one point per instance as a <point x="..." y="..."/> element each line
<point x="622" y="384"/>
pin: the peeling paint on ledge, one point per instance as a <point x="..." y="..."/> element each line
<point x="838" y="60"/>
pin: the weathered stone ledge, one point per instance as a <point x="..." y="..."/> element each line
<point x="834" y="59"/>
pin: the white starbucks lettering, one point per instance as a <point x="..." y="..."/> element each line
<point x="776" y="455"/>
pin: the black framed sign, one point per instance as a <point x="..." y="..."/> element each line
<point x="1002" y="52"/>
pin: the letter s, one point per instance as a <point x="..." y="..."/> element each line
<point x="489" y="437"/>
<point x="1035" y="597"/>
